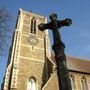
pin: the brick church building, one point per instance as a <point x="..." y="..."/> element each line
<point x="31" y="64"/>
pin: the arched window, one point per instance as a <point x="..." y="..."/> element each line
<point x="31" y="84"/>
<point x="73" y="82"/>
<point x="84" y="83"/>
<point x="33" y="26"/>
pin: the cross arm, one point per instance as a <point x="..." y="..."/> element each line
<point x="66" y="22"/>
<point x="42" y="26"/>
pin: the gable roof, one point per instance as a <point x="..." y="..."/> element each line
<point x="76" y="64"/>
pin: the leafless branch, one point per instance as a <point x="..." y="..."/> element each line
<point x="5" y="28"/>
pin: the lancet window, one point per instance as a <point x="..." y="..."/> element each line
<point x="31" y="84"/>
<point x="84" y="83"/>
<point x="72" y="78"/>
<point x="33" y="26"/>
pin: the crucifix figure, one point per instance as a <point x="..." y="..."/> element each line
<point x="58" y="47"/>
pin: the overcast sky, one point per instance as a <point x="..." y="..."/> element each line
<point x="76" y="37"/>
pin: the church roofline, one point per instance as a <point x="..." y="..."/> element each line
<point x="88" y="73"/>
<point x="76" y="64"/>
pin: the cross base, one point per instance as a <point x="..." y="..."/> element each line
<point x="62" y="72"/>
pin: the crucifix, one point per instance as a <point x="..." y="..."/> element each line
<point x="58" y="47"/>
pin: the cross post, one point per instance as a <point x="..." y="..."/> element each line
<point x="58" y="47"/>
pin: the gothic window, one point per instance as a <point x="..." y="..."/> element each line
<point x="72" y="82"/>
<point x="84" y="83"/>
<point x="33" y="26"/>
<point x="31" y="84"/>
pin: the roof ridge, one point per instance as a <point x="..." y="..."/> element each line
<point x="80" y="59"/>
<point x="48" y="80"/>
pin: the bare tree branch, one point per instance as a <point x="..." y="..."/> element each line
<point x="5" y="28"/>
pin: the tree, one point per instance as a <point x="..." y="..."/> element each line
<point x="5" y="27"/>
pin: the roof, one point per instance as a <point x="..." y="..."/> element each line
<point x="76" y="64"/>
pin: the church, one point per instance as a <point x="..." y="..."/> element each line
<point x="31" y="64"/>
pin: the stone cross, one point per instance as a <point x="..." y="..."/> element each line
<point x="58" y="47"/>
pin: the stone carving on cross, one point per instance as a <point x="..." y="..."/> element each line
<point x="54" y="25"/>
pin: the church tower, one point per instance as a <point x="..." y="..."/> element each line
<point x="27" y="63"/>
